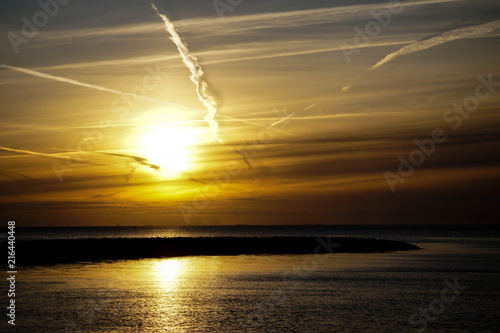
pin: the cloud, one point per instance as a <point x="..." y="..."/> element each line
<point x="140" y="160"/>
<point x="107" y="195"/>
<point x="145" y="162"/>
<point x="17" y="175"/>
<point x="476" y="31"/>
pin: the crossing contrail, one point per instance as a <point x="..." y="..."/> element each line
<point x="197" y="75"/>
<point x="113" y="91"/>
<point x="281" y="120"/>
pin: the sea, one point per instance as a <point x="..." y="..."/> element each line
<point x="452" y="284"/>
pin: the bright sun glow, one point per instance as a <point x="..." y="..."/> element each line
<point x="168" y="148"/>
<point x="168" y="268"/>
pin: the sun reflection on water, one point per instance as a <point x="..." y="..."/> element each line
<point x="168" y="269"/>
<point x="167" y="273"/>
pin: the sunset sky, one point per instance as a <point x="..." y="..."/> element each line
<point x="316" y="102"/>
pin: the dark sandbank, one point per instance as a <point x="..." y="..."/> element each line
<point x="47" y="252"/>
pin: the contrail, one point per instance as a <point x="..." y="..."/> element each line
<point x="140" y="160"/>
<point x="78" y="83"/>
<point x="34" y="153"/>
<point x="113" y="91"/>
<point x="345" y="88"/>
<point x="290" y="116"/>
<point x="462" y="33"/>
<point x="310" y="106"/>
<point x="281" y="120"/>
<point x="197" y="75"/>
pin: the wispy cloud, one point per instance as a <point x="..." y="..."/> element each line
<point x="63" y="156"/>
<point x="17" y="175"/>
<point x="138" y="159"/>
<point x="476" y="31"/>
<point x="107" y="195"/>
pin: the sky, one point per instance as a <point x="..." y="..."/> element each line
<point x="259" y="112"/>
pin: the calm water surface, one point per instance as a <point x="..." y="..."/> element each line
<point x="271" y="293"/>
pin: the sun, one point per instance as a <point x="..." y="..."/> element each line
<point x="168" y="148"/>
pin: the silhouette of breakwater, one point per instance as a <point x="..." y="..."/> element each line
<point x="46" y="252"/>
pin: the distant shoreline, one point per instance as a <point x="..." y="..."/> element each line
<point x="61" y="251"/>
